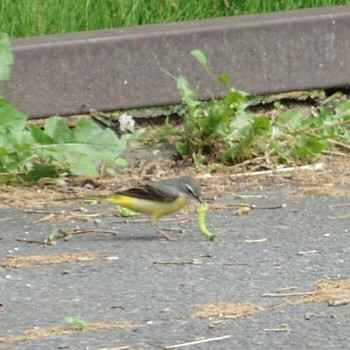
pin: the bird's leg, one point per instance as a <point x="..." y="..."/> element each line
<point x="172" y="229"/>
<point x="162" y="233"/>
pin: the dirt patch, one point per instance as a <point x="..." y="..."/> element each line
<point x="322" y="190"/>
<point x="333" y="292"/>
<point x="17" y="261"/>
<point x="228" y="310"/>
<point x="35" y="334"/>
<point x="80" y="214"/>
<point x="216" y="181"/>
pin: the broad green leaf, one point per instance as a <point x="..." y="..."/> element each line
<point x="224" y="79"/>
<point x="39" y="171"/>
<point x="16" y="159"/>
<point x="308" y="146"/>
<point x="236" y="100"/>
<point x="201" y="58"/>
<point x="186" y="92"/>
<point x="6" y="59"/>
<point x="182" y="148"/>
<point x="343" y="110"/>
<point x="12" y="125"/>
<point x="291" y="120"/>
<point x="100" y="143"/>
<point x="261" y="126"/>
<point x="39" y="135"/>
<point x="121" y="162"/>
<point x="58" y="130"/>
<point x="85" y="145"/>
<point x="81" y="164"/>
<point x="109" y="170"/>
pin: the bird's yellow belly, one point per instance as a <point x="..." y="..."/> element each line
<point x="153" y="208"/>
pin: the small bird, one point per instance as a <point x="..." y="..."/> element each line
<point x="157" y="198"/>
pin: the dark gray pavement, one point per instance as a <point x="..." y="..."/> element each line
<point x="303" y="245"/>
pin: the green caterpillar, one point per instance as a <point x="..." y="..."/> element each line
<point x="201" y="223"/>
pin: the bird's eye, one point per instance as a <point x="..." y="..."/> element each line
<point x="194" y="193"/>
<point x="190" y="189"/>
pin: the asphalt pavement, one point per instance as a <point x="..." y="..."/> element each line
<point x="255" y="287"/>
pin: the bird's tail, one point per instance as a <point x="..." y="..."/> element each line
<point x="114" y="199"/>
<point x="86" y="198"/>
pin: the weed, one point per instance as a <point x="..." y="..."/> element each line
<point x="224" y="131"/>
<point x="76" y="322"/>
<point x="30" y="153"/>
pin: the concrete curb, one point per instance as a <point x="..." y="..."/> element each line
<point x="124" y="68"/>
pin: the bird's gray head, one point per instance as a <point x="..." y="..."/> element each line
<point x="191" y="188"/>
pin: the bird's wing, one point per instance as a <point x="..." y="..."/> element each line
<point x="155" y="191"/>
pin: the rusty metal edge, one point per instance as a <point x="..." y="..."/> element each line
<point x="135" y="67"/>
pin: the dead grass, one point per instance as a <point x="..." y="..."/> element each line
<point x="328" y="190"/>
<point x="228" y="310"/>
<point x="332" y="292"/>
<point x="328" y="291"/>
<point x="223" y="180"/>
<point x="17" y="261"/>
<point x="35" y="334"/>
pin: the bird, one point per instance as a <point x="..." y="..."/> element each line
<point x="157" y="198"/>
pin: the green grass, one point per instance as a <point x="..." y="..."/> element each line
<point x="22" y="18"/>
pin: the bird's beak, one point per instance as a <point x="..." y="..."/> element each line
<point x="200" y="200"/>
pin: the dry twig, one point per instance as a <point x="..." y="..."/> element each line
<point x="308" y="316"/>
<point x="308" y="252"/>
<point x="315" y="167"/>
<point x="281" y="295"/>
<point x="169" y="347"/>
<point x="24" y="240"/>
<point x="177" y="262"/>
<point x="250" y="206"/>
<point x="81" y="231"/>
<point x="346" y="216"/>
<point x="255" y="240"/>
<point x="283" y="328"/>
<point x="118" y="348"/>
<point x="339" y="205"/>
<point x="341" y="302"/>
